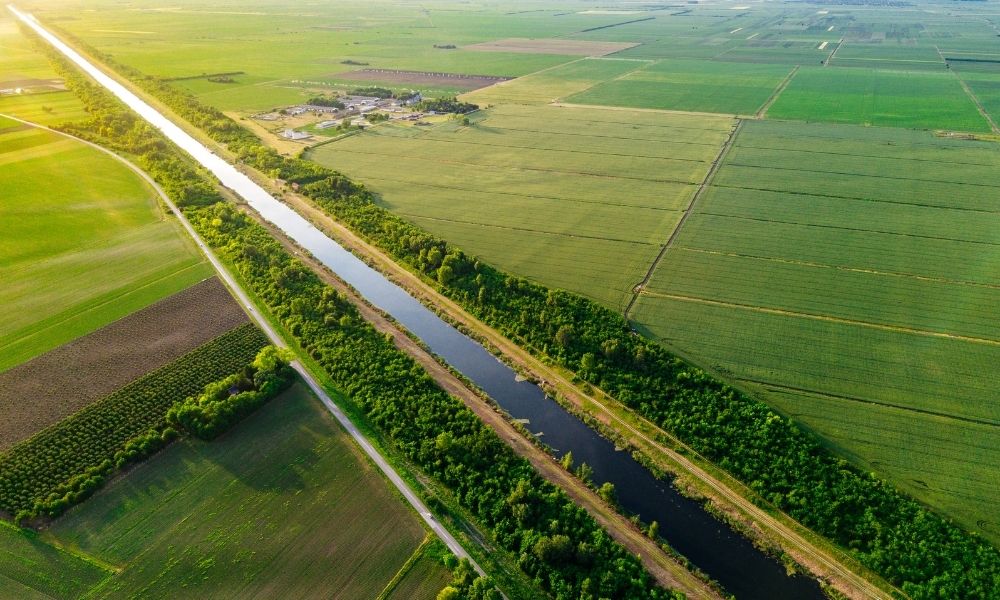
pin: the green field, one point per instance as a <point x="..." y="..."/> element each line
<point x="82" y="242"/>
<point x="923" y="100"/>
<point x="20" y="62"/>
<point x="577" y="198"/>
<point x="848" y="276"/>
<point x="283" y="505"/>
<point x="731" y="88"/>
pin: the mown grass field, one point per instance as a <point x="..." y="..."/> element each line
<point x="283" y="505"/>
<point x="733" y="88"/>
<point x="82" y="242"/>
<point x="578" y="198"/>
<point x="924" y="100"/>
<point x="848" y="275"/>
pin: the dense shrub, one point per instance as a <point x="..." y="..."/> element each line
<point x="224" y="403"/>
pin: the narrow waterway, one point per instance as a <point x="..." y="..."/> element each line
<point x="709" y="544"/>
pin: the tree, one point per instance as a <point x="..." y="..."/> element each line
<point x="588" y="362"/>
<point x="584" y="472"/>
<point x="653" y="530"/>
<point x="607" y="492"/>
<point x="449" y="593"/>
<point x="567" y="461"/>
<point x="564" y="336"/>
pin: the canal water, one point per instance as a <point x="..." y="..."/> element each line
<point x="712" y="546"/>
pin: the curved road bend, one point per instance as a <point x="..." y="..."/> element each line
<point x="404" y="489"/>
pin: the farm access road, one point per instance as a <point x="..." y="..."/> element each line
<point x="411" y="497"/>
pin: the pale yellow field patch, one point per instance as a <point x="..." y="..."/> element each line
<point x="551" y="46"/>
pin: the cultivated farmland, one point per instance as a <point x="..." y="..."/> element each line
<point x="733" y="88"/>
<point x="552" y="84"/>
<point x="925" y="100"/>
<point x="876" y="327"/>
<point x="82" y="242"/>
<point x="283" y="504"/>
<point x="578" y="198"/>
<point x="46" y="466"/>
<point x="66" y="379"/>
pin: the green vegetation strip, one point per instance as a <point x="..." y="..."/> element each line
<point x="558" y="543"/>
<point x="66" y="462"/>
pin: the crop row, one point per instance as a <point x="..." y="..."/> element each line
<point x="42" y="468"/>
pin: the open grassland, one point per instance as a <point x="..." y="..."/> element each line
<point x="82" y="242"/>
<point x="283" y="505"/>
<point x="580" y="199"/>
<point x="21" y="66"/>
<point x="64" y="380"/>
<point x="915" y="99"/>
<point x="848" y="276"/>
<point x="734" y="88"/>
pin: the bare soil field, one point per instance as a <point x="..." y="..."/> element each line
<point x="421" y="78"/>
<point x="47" y="389"/>
<point x="551" y="46"/>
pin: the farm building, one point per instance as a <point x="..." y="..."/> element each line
<point x="291" y="134"/>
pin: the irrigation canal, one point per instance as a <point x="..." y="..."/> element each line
<point x="709" y="544"/>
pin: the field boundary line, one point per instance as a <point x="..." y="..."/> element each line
<point x="866" y="175"/>
<point x="517" y="168"/>
<point x="716" y="164"/>
<point x="241" y="296"/>
<point x="968" y="91"/>
<point x="518" y="195"/>
<point x="807" y="263"/>
<point x="663" y="111"/>
<point x="857" y="198"/>
<point x="588" y="152"/>
<point x="762" y="111"/>
<point x="405" y="569"/>
<point x="833" y="53"/>
<point x="826" y="318"/>
<point x="853" y="229"/>
<point x="847" y="398"/>
<point x="495" y="226"/>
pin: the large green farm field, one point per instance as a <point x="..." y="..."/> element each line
<point x="578" y="198"/>
<point x="283" y="504"/>
<point x="717" y="87"/>
<point x="848" y="275"/>
<point x="76" y="256"/>
<point x="879" y="97"/>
